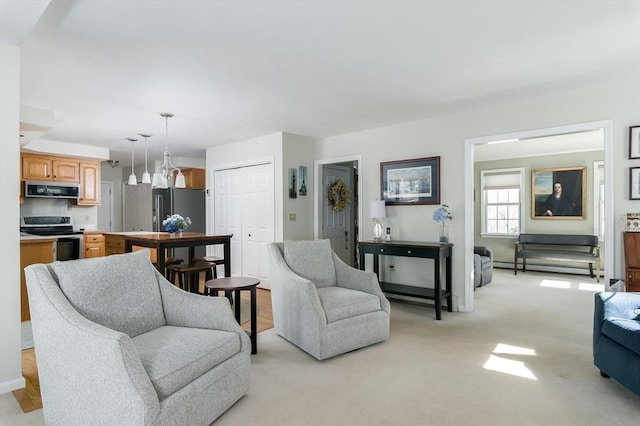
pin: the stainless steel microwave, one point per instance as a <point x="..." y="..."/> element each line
<point x="51" y="189"/>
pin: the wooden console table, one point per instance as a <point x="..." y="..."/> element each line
<point x="439" y="252"/>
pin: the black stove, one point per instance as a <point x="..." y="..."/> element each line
<point x="48" y="225"/>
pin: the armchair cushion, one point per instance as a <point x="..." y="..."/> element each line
<point x="623" y="331"/>
<point x="312" y="260"/>
<point x="119" y="293"/>
<point x="340" y="303"/>
<point x="176" y="356"/>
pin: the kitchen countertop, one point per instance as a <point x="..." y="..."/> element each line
<point x="37" y="238"/>
<point x="130" y="233"/>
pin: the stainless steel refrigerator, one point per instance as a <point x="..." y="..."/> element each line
<point x="145" y="209"/>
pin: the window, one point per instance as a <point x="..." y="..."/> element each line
<point x="501" y="202"/>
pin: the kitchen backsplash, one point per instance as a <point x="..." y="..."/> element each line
<point x="53" y="207"/>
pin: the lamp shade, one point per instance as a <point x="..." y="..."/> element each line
<point x="377" y="210"/>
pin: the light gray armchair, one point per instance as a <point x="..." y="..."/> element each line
<point x="322" y="305"/>
<point x="482" y="266"/>
<point x="117" y="344"/>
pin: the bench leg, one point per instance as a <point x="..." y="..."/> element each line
<point x="524" y="264"/>
<point x="591" y="269"/>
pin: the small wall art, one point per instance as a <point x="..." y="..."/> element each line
<point x="302" y="177"/>
<point x="634" y="183"/>
<point x="293" y="182"/>
<point x="634" y="142"/>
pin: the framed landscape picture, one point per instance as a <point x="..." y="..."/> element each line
<point x="634" y="183"/>
<point x="634" y="142"/>
<point x="558" y="193"/>
<point x="410" y="182"/>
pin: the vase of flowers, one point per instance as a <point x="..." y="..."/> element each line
<point x="442" y="216"/>
<point x="176" y="224"/>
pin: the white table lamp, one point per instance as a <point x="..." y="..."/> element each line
<point x="377" y="212"/>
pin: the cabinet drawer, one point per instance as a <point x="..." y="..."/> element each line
<point x="93" y="238"/>
<point x="400" y="251"/>
<point x="115" y="243"/>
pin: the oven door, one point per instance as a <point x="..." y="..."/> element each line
<point x="68" y="248"/>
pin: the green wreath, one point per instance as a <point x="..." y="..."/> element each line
<point x="339" y="196"/>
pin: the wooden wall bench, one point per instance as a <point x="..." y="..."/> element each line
<point x="562" y="247"/>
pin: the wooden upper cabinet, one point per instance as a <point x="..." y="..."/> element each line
<point x="45" y="168"/>
<point x="89" y="184"/>
<point x="194" y="178"/>
<point x="66" y="171"/>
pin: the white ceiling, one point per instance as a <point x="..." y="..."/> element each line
<point x="235" y="70"/>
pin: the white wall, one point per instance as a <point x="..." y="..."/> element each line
<point x="444" y="137"/>
<point x="244" y="153"/>
<point x="10" y="355"/>
<point x="298" y="151"/>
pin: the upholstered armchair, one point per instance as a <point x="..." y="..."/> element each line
<point x="117" y="344"/>
<point x="482" y="266"/>
<point x="322" y="305"/>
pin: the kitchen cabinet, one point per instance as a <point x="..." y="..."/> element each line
<point x="89" y="184"/>
<point x="47" y="168"/>
<point x="37" y="250"/>
<point x="194" y="178"/>
<point x="632" y="261"/>
<point x="94" y="245"/>
<point x="114" y="244"/>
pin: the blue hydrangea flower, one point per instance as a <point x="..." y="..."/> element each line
<point x="175" y="223"/>
<point x="442" y="214"/>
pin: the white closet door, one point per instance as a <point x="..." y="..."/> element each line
<point x="257" y="220"/>
<point x="244" y="207"/>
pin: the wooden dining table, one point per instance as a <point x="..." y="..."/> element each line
<point x="162" y="241"/>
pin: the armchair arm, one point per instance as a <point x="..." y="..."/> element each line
<point x="106" y="360"/>
<point x="294" y="298"/>
<point x="355" y="279"/>
<point x="185" y="309"/>
<point x="616" y="304"/>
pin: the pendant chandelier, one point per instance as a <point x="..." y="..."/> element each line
<point x="165" y="172"/>
<point x="132" y="177"/>
<point x="146" y="177"/>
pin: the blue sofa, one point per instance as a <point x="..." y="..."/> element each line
<point x="616" y="337"/>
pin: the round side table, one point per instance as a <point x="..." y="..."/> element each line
<point x="236" y="285"/>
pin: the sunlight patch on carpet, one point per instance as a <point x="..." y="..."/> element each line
<point x="502" y="348"/>
<point x="591" y="287"/>
<point x="508" y="366"/>
<point x="555" y="284"/>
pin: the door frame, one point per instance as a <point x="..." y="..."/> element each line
<point x="317" y="185"/>
<point x="467" y="301"/>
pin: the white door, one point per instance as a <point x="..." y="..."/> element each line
<point x="105" y="209"/>
<point x="244" y="207"/>
<point x="257" y="220"/>
<point x="336" y="226"/>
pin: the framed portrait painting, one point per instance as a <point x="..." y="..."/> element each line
<point x="410" y="182"/>
<point x="558" y="193"/>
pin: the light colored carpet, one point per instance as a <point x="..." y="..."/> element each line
<point x="522" y="358"/>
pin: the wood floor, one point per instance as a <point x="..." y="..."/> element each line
<point x="29" y="397"/>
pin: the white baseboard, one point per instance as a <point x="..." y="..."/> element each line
<point x="11" y="385"/>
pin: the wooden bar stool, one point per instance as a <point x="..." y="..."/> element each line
<point x="189" y="275"/>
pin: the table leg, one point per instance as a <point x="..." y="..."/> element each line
<point x="236" y="305"/>
<point x="437" y="264"/>
<point x="254" y="322"/>
<point x="448" y="286"/>
<point x="161" y="259"/>
<point x="227" y="258"/>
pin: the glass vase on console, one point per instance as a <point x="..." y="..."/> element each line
<point x="444" y="232"/>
